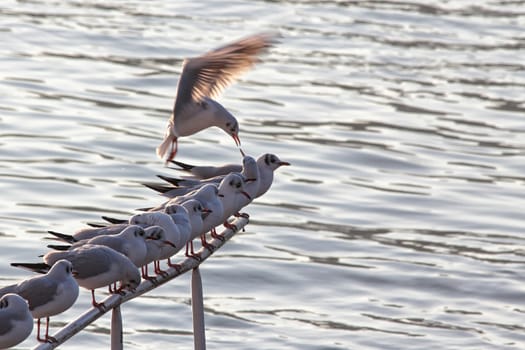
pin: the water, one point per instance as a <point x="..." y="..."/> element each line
<point x="400" y="223"/>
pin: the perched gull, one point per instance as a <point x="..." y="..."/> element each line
<point x="131" y="242"/>
<point x="233" y="195"/>
<point x="16" y="322"/>
<point x="172" y="231"/>
<point x="204" y="78"/>
<point x="267" y="164"/>
<point x="183" y="186"/>
<point x="95" y="265"/>
<point x="48" y="295"/>
<point x="157" y="240"/>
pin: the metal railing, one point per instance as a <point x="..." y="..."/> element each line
<point x="113" y="302"/>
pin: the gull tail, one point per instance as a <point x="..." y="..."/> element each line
<point x="35" y="267"/>
<point x="63" y="237"/>
<point x="114" y="220"/>
<point x="169" y="143"/>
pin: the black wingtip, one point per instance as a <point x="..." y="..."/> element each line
<point x="63" y="237"/>
<point x="59" y="247"/>
<point x="145" y="209"/>
<point x="114" y="220"/>
<point x="158" y="187"/>
<point x="183" y="166"/>
<point x="169" y="179"/>
<point x="96" y="225"/>
<point x="35" y="267"/>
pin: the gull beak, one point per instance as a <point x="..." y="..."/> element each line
<point x="236" y="139"/>
<point x="284" y="163"/>
<point x="74" y="273"/>
<point x="206" y="212"/>
<point x="250" y="179"/>
<point x="169" y="243"/>
<point x="246" y="195"/>
<point x="242" y="152"/>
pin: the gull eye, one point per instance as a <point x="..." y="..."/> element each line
<point x="231" y="183"/>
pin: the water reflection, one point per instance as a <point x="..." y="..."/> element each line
<point x="399" y="223"/>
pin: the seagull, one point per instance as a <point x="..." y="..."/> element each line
<point x="156" y="241"/>
<point x="183" y="186"/>
<point x="96" y="266"/>
<point x="195" y="212"/>
<point x="131" y="242"/>
<point x="207" y="171"/>
<point x="202" y="194"/>
<point x="49" y="294"/>
<point x="90" y="232"/>
<point x="173" y="233"/>
<point x="214" y="204"/>
<point x="233" y="195"/>
<point x="16" y="322"/>
<point x="267" y="164"/>
<point x="202" y="79"/>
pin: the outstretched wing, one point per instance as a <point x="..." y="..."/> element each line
<point x="209" y="74"/>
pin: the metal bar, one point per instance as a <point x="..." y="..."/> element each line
<point x="115" y="300"/>
<point x="197" y="307"/>
<point x="117" y="341"/>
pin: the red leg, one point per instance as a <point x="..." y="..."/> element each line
<point x="174" y="146"/>
<point x="145" y="273"/>
<point x="174" y="265"/>
<point x="205" y="243"/>
<point x="214" y="234"/>
<point x="230" y="226"/>
<point x="38" y="331"/>
<point x="94" y="302"/>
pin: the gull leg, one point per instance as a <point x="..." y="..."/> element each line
<point x="174" y="146"/>
<point x="49" y="338"/>
<point x="214" y="234"/>
<point x="229" y="226"/>
<point x="145" y="273"/>
<point x="38" y="332"/>
<point x="192" y="253"/>
<point x="158" y="270"/>
<point x="94" y="302"/>
<point x="174" y="265"/>
<point x="205" y="243"/>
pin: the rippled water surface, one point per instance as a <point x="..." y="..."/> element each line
<point x="399" y="224"/>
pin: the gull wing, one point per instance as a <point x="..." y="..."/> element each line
<point x="209" y="74"/>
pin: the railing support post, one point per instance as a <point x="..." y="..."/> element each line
<point x="117" y="342"/>
<point x="197" y="306"/>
